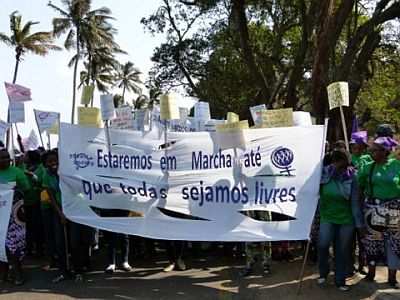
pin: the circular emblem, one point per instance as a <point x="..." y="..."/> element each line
<point x="282" y="158"/>
<point x="81" y="160"/>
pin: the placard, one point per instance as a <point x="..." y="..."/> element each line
<point x="301" y="118"/>
<point x="202" y="111"/>
<point x="231" y="117"/>
<point x="89" y="116"/>
<point x="169" y="107"/>
<point x="123" y="118"/>
<point x="256" y="113"/>
<point x="277" y="118"/>
<point x="107" y="107"/>
<point x="338" y="94"/>
<point x="46" y="119"/>
<point x="3" y="129"/>
<point x="87" y="94"/>
<point x="17" y="112"/>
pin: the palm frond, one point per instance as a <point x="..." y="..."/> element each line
<point x="59" y="10"/>
<point x="5" y="39"/>
<point x="61" y="26"/>
<point x="70" y="40"/>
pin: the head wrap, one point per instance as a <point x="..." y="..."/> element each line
<point x="359" y="138"/>
<point x="386" y="142"/>
<point x="384" y="130"/>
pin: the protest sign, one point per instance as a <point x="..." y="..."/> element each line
<point x="87" y="94"/>
<point x="16" y="112"/>
<point x="107" y="107"/>
<point x="230" y="135"/>
<point x="231" y="117"/>
<point x="31" y="142"/>
<point x="301" y="118"/>
<point x="141" y="118"/>
<point x="338" y="94"/>
<point x="46" y="119"/>
<point x="89" y="116"/>
<point x="202" y="111"/>
<point x="211" y="125"/>
<point x="3" y="129"/>
<point x="6" y="198"/>
<point x="17" y="92"/>
<point x="123" y="118"/>
<point x="277" y="118"/>
<point x="168" y="107"/>
<point x="183" y="113"/>
<point x="197" y="192"/>
<point x="256" y="113"/>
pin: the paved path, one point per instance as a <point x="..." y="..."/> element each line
<point x="214" y="278"/>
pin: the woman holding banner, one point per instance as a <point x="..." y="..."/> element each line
<point x="15" y="239"/>
<point x="380" y="182"/>
<point x="340" y="212"/>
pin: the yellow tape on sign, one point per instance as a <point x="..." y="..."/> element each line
<point x="89" y="116"/>
<point x="232" y="127"/>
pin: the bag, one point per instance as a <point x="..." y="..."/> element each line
<point x="386" y="217"/>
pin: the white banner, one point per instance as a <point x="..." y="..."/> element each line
<point x="123" y="118"/>
<point x="190" y="189"/>
<point x="6" y="198"/>
<point x="46" y="119"/>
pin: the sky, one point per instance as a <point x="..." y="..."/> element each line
<point x="49" y="77"/>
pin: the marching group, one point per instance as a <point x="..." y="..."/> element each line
<point x="359" y="208"/>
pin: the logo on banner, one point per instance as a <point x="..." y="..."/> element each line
<point x="81" y="160"/>
<point x="282" y="158"/>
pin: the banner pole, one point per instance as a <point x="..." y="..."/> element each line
<point x="344" y="128"/>
<point x="301" y="277"/>
<point x="48" y="141"/>
<point x="40" y="134"/>
<point x="108" y="135"/>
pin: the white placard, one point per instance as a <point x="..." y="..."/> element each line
<point x="17" y="112"/>
<point x="202" y="111"/>
<point x="31" y="142"/>
<point x="107" y="107"/>
<point x="46" y="119"/>
<point x="338" y="94"/>
<point x="123" y="118"/>
<point x="256" y="113"/>
<point x="301" y="118"/>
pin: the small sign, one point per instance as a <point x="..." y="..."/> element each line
<point x="87" y="94"/>
<point x="202" y="111"/>
<point x="256" y="112"/>
<point x="338" y="94"/>
<point x="277" y="118"/>
<point x="107" y="107"/>
<point x="231" y="117"/>
<point x="17" y="112"/>
<point x="89" y="116"/>
<point x="168" y="107"/>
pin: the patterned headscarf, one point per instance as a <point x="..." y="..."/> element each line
<point x="386" y="142"/>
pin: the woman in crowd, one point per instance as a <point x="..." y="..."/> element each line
<point x="340" y="213"/>
<point x="358" y="149"/>
<point x="15" y="239"/>
<point x="50" y="182"/>
<point x="380" y="182"/>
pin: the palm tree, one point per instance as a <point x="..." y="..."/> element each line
<point x="23" y="41"/>
<point x="128" y="78"/>
<point x="83" y="26"/>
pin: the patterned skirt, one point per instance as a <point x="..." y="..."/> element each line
<point x="15" y="240"/>
<point x="374" y="240"/>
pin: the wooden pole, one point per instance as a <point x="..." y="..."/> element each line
<point x="303" y="267"/>
<point x="40" y="134"/>
<point x="344" y="128"/>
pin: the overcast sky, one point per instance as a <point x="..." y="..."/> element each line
<point x="49" y="77"/>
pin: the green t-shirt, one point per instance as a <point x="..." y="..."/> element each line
<point x="33" y="196"/>
<point x="334" y="207"/>
<point x="14" y="174"/>
<point x="385" y="180"/>
<point x="359" y="161"/>
<point x="51" y="182"/>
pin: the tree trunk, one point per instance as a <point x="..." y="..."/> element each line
<point x="75" y="74"/>
<point x="240" y="21"/>
<point x="17" y="59"/>
<point x="123" y="94"/>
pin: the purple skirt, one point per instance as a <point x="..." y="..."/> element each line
<point x="15" y="240"/>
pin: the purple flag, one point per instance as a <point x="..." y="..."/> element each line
<point x="17" y="93"/>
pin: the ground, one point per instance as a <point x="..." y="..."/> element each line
<point x="214" y="277"/>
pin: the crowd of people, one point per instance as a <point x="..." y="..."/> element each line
<point x="359" y="209"/>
